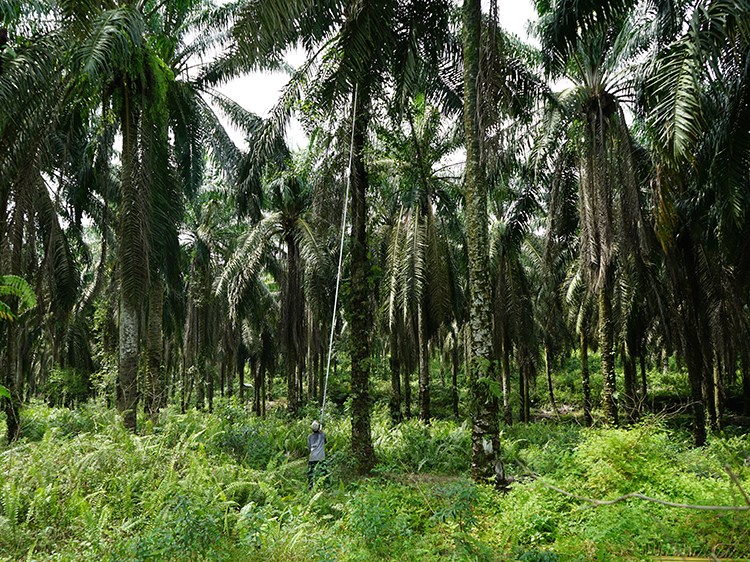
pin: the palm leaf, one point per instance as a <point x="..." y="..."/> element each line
<point x="115" y="34"/>
<point x="14" y="286"/>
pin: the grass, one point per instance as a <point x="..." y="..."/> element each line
<point x="228" y="486"/>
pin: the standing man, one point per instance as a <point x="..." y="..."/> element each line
<point x="316" y="445"/>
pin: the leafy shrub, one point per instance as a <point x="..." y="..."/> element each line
<point x="67" y="386"/>
<point x="248" y="444"/>
<point x="542" y="448"/>
<point x="442" y="447"/>
<point x="385" y="516"/>
<point x="458" y="505"/>
<point x="536" y="555"/>
<point x="626" y="460"/>
<point x="187" y="529"/>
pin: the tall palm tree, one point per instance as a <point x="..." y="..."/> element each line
<point x="33" y="126"/>
<point x="134" y="58"/>
<point x="496" y="86"/>
<point x="612" y="226"/>
<point x="699" y="98"/>
<point x="359" y="40"/>
<point x="418" y="272"/>
<point x="486" y="463"/>
<point x="286" y="227"/>
<point x="116" y="63"/>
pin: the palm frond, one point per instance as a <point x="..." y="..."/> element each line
<point x="115" y="34"/>
<point x="241" y="278"/>
<point x="15" y="286"/>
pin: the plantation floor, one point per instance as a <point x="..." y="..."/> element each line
<point x="229" y="486"/>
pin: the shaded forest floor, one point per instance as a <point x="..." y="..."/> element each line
<point x="229" y="486"/>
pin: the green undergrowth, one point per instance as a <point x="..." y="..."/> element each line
<point x="229" y="486"/>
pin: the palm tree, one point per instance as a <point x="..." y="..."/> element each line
<point x="418" y="263"/>
<point x="486" y="464"/>
<point x="611" y="223"/>
<point x="496" y="87"/>
<point x="582" y="314"/>
<point x="289" y="199"/>
<point x="699" y="92"/>
<point x="512" y="292"/>
<point x="33" y="91"/>
<point x="133" y="57"/>
<point x="359" y="39"/>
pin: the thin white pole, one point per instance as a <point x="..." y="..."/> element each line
<point x="341" y="256"/>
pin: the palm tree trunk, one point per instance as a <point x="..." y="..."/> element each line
<point x="506" y="351"/>
<point x="224" y="360"/>
<point x="240" y="364"/>
<point x="258" y="374"/>
<point x="406" y="385"/>
<point x="527" y="373"/>
<point x="523" y="391"/>
<point x="131" y="238"/>
<point x="606" y="348"/>
<point x="395" y="401"/>
<point x="585" y="380"/>
<point x="184" y="385"/>
<point x="628" y="382"/>
<point x="692" y="344"/>
<point x="202" y="360"/>
<point x="292" y="314"/>
<point x="301" y="367"/>
<point x="548" y="372"/>
<point x="154" y="387"/>
<point x="454" y="373"/>
<point x="128" y="364"/>
<point x="231" y="361"/>
<point x="486" y="465"/>
<point x="424" y="368"/>
<point x="263" y="375"/>
<point x="707" y="393"/>
<point x="359" y="300"/>
<point x="718" y="388"/>
<point x="442" y="367"/>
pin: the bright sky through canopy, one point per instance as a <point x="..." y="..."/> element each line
<point x="259" y="92"/>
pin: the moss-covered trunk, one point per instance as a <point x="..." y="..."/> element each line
<point x="424" y="368"/>
<point x="360" y="321"/>
<point x="155" y="399"/>
<point x="486" y="464"/>
<point x="606" y="348"/>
